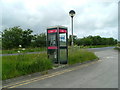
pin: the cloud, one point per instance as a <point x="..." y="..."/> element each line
<point x="91" y="17"/>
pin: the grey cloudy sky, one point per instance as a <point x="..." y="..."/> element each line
<point x="93" y="17"/>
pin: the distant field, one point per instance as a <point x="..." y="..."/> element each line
<point x="23" y="50"/>
<point x="96" y="46"/>
<point x="13" y="51"/>
<point x="44" y="49"/>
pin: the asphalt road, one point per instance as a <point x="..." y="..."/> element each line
<point x="98" y="74"/>
<point x="22" y="53"/>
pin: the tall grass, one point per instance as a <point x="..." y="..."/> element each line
<point x="80" y="56"/>
<point x="117" y="48"/>
<point x="0" y="68"/>
<point x="18" y="65"/>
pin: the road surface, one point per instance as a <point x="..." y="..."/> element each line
<point x="98" y="74"/>
<point x="22" y="53"/>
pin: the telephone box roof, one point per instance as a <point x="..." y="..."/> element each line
<point x="52" y="27"/>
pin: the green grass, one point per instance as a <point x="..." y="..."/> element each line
<point x="117" y="48"/>
<point x="18" y="65"/>
<point x="44" y="49"/>
<point x="96" y="46"/>
<point x="13" y="66"/>
<point x="0" y="68"/>
<point x="80" y="56"/>
<point x="26" y="50"/>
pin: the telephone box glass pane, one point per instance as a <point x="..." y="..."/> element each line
<point x="63" y="55"/>
<point x="52" y="39"/>
<point x="62" y="39"/>
<point x="53" y="55"/>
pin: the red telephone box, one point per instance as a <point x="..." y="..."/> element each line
<point x="57" y="44"/>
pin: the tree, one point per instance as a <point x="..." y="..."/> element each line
<point x="70" y="39"/>
<point x="26" y="38"/>
<point x="11" y="37"/>
<point x="111" y="41"/>
<point x="96" y="40"/>
<point x="87" y="41"/>
<point x="39" y="40"/>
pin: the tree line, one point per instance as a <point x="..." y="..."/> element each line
<point x="95" y="40"/>
<point x="15" y="36"/>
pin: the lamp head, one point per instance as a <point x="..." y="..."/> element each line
<point x="72" y="13"/>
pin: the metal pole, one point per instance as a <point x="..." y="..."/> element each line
<point x="72" y="43"/>
<point x="58" y="42"/>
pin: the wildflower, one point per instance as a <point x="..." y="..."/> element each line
<point x="18" y="51"/>
<point x="23" y="49"/>
<point x="20" y="46"/>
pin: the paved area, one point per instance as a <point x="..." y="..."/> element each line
<point x="97" y="74"/>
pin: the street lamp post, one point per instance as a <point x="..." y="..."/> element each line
<point x="72" y="14"/>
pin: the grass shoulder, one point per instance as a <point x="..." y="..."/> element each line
<point x="117" y="48"/>
<point x="80" y="56"/>
<point x="18" y="65"/>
